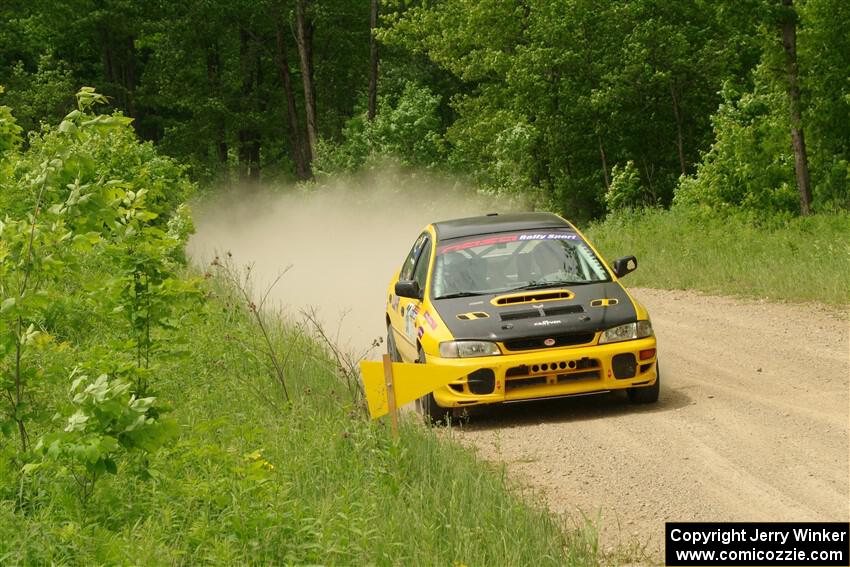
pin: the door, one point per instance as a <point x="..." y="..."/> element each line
<point x="406" y="317"/>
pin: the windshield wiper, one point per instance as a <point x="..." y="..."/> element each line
<point x="459" y="294"/>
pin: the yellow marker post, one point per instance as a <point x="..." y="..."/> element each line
<point x="391" y="384"/>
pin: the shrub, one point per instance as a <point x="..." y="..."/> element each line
<point x="750" y="164"/>
<point x="406" y="129"/>
<point x="10" y="132"/>
<point x="625" y="191"/>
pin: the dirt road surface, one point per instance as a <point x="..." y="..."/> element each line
<point x="752" y="425"/>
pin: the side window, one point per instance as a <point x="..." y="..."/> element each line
<point x="410" y="261"/>
<point x="420" y="274"/>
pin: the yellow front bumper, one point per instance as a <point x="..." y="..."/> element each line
<point x="549" y="373"/>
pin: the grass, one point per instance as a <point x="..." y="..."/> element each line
<point x="789" y="259"/>
<point x="252" y="479"/>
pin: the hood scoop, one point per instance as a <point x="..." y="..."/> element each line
<point x="532" y="297"/>
<point x="563" y="310"/>
<point x="520" y="314"/>
<point x="473" y="315"/>
<point x="543" y="312"/>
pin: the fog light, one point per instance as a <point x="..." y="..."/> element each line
<point x="482" y="381"/>
<point x="624" y="365"/>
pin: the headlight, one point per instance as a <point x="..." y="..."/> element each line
<point x="466" y="349"/>
<point x="627" y="332"/>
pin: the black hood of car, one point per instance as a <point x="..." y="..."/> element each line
<point x="594" y="307"/>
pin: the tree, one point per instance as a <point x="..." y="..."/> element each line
<point x="304" y="36"/>
<point x="798" y="140"/>
<point x="296" y="141"/>
<point x="824" y="55"/>
<point x="373" y="59"/>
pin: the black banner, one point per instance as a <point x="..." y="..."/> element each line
<point x="760" y="544"/>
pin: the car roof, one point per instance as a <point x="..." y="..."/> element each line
<point x="488" y="224"/>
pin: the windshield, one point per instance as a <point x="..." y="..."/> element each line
<point x="514" y="261"/>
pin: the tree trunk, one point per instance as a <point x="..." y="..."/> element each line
<point x="801" y="165"/>
<point x="118" y="56"/>
<point x="304" y="35"/>
<point x="648" y="175"/>
<point x="262" y="107"/>
<point x="19" y="387"/>
<point x="129" y="74"/>
<point x="604" y="163"/>
<point x="677" y="112"/>
<point x="296" y="141"/>
<point x="373" y="60"/>
<point x="214" y="80"/>
<point x="248" y="137"/>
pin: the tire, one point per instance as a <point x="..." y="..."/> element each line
<point x="647" y="394"/>
<point x="432" y="413"/>
<point x="391" y="348"/>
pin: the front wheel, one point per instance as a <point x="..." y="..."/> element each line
<point x="647" y="394"/>
<point x="433" y="413"/>
<point x="391" y="348"/>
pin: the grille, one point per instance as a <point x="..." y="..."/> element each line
<point x="572" y="365"/>
<point x="558" y="372"/>
<point x="560" y="341"/>
<point x="514" y="384"/>
<point x="577" y="376"/>
<point x="525" y="382"/>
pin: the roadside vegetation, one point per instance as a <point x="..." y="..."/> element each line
<point x="783" y="257"/>
<point x="153" y="415"/>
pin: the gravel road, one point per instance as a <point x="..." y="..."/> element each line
<point x="752" y="425"/>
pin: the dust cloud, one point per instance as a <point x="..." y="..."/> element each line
<point x="344" y="240"/>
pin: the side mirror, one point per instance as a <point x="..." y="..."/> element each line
<point x="624" y="265"/>
<point x="407" y="288"/>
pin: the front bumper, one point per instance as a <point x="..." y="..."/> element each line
<point x="549" y="373"/>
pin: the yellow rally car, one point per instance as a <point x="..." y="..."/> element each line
<point x="525" y="306"/>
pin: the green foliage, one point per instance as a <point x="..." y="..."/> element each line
<point x="553" y="93"/>
<point x="626" y="191"/>
<point x="824" y="53"/>
<point x="495" y="145"/>
<point x="40" y="96"/>
<point x="108" y="419"/>
<point x="10" y="132"/>
<point x="406" y="129"/>
<point x="539" y="99"/>
<point x="63" y="204"/>
<point x="751" y="164"/>
<point x="781" y="257"/>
